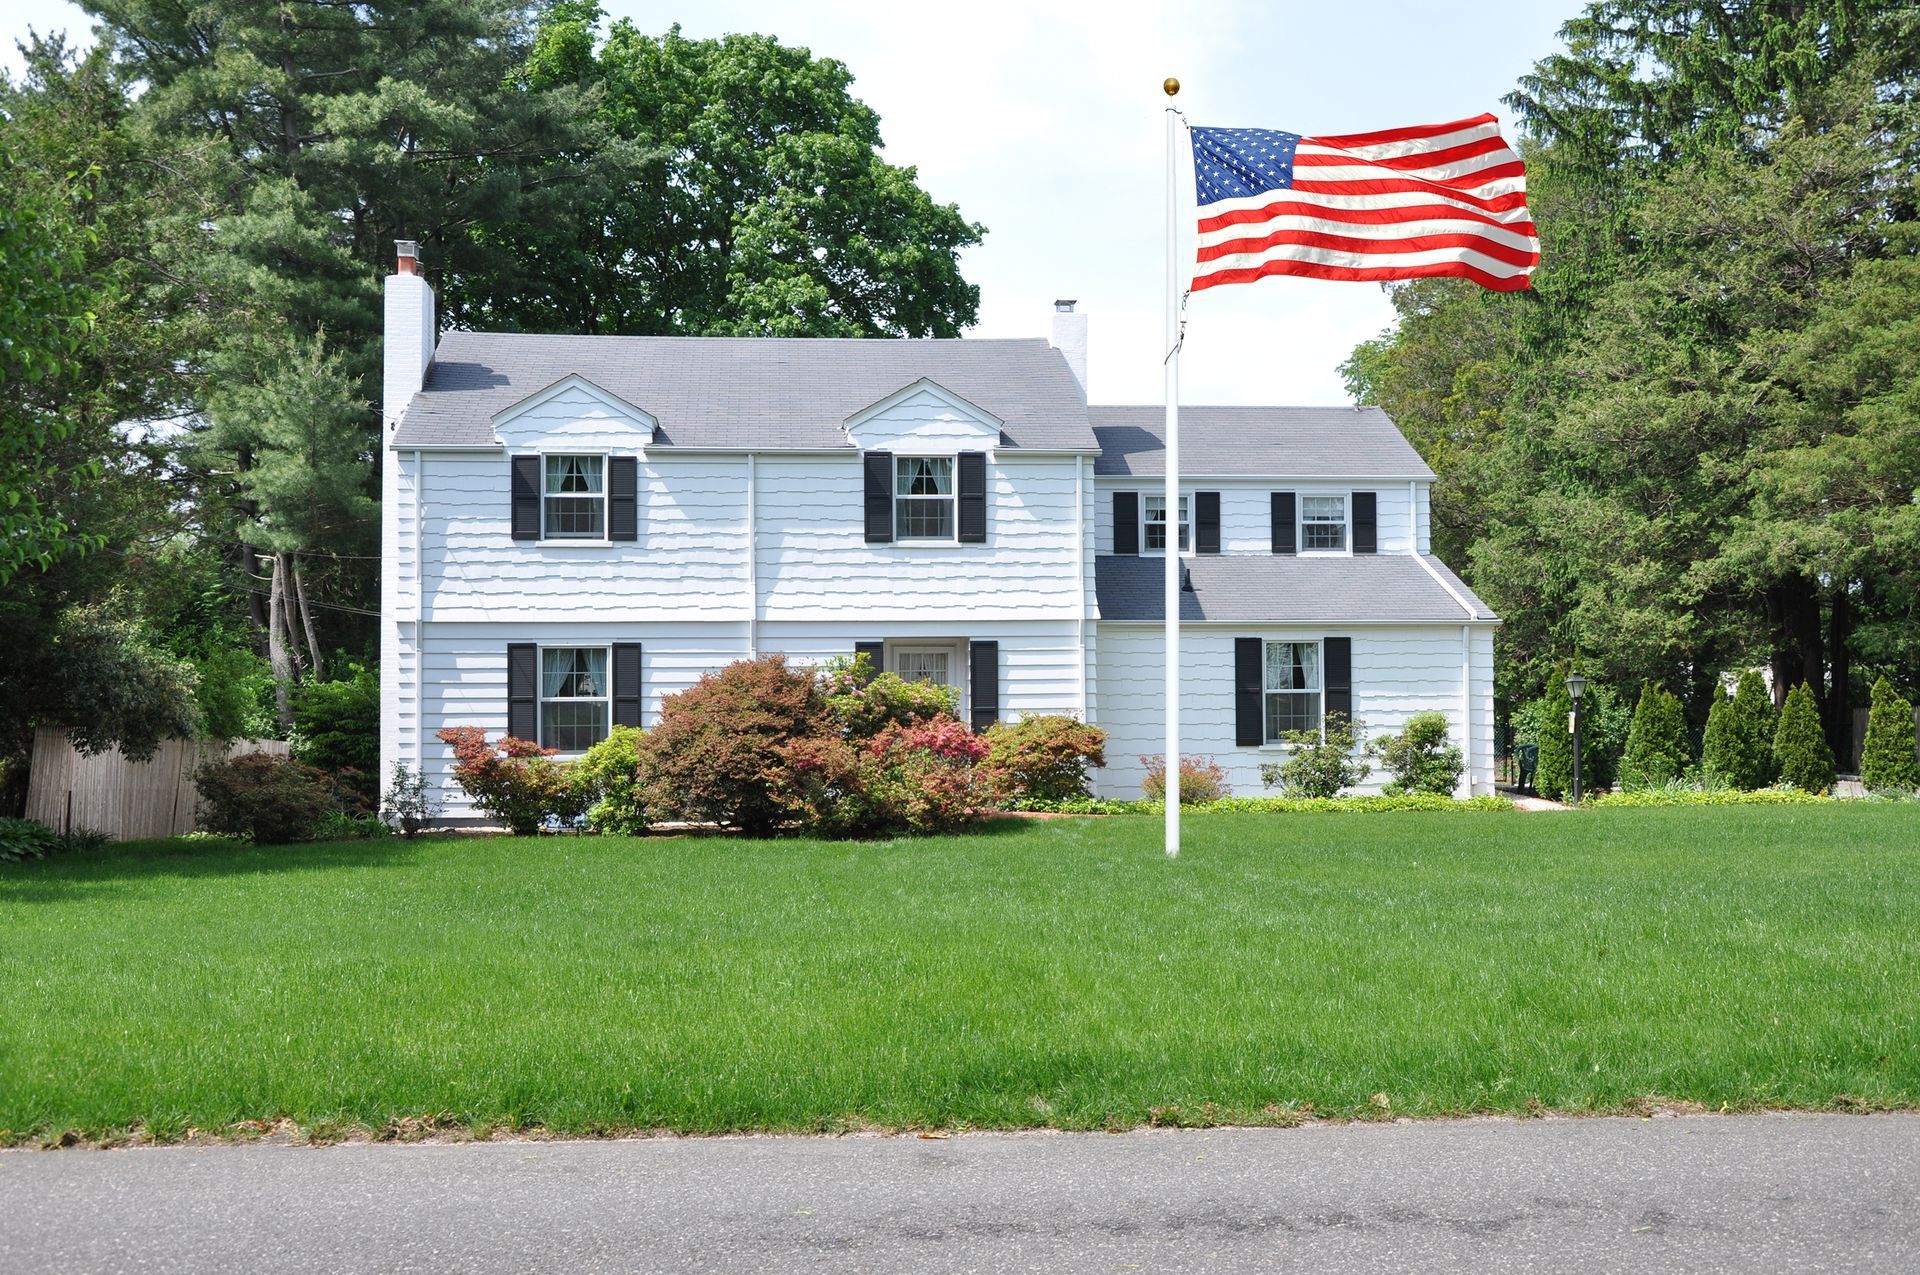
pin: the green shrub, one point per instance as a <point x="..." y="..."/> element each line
<point x="1800" y="750"/>
<point x="1887" y="761"/>
<point x="1737" y="750"/>
<point x="1605" y="717"/>
<point x="514" y="780"/>
<point x="409" y="806"/>
<point x="1553" y="774"/>
<point x="1419" y="758"/>
<point x="1202" y="779"/>
<point x="1320" y="762"/>
<point x="23" y="839"/>
<point x="718" y="752"/>
<point x="1421" y="801"/>
<point x="1043" y="758"/>
<point x="861" y="702"/>
<point x="339" y="825"/>
<point x="1682" y="793"/>
<point x="336" y="728"/>
<point x="235" y="694"/>
<point x="607" y="779"/>
<point x="1657" y="749"/>
<point x="272" y="800"/>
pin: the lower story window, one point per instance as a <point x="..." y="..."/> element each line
<point x="921" y="664"/>
<point x="1293" y="691"/>
<point x="573" y="697"/>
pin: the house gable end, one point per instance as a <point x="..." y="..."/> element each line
<point x="574" y="411"/>
<point x="923" y="416"/>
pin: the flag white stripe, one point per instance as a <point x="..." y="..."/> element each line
<point x="1374" y="172"/>
<point x="1397" y="199"/>
<point x="1412" y="146"/>
<point x="1369" y="230"/>
<point x="1358" y="260"/>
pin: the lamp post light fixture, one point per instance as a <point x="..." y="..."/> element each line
<point x="1576" y="687"/>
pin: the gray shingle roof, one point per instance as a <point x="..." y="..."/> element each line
<point x="1260" y="588"/>
<point x="733" y="392"/>
<point x="1297" y="442"/>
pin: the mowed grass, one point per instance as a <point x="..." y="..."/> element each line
<point x="1039" y="973"/>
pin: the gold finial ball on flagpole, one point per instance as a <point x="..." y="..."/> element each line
<point x="1171" y="85"/>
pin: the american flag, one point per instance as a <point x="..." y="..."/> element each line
<point x="1403" y="203"/>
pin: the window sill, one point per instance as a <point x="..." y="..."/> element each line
<point x="919" y="543"/>
<point x="573" y="542"/>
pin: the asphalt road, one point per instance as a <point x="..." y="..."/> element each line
<point x="1759" y="1193"/>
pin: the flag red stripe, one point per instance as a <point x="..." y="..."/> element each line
<point x="1368" y="274"/>
<point x="1346" y="243"/>
<point x="1423" y="159"/>
<point x="1347" y="141"/>
<point x="1359" y="216"/>
<point x="1397" y="186"/>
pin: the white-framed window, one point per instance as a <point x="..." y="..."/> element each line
<point x="942" y="663"/>
<point x="1153" y="524"/>
<point x="1295" y="696"/>
<point x="923" y="501"/>
<point x="573" y="501"/>
<point x="1323" y="524"/>
<point x="574" y="705"/>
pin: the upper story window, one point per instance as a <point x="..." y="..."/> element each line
<point x="1153" y="524"/>
<point x="575" y="499"/>
<point x="1293" y="688"/>
<point x="1323" y="524"/>
<point x="573" y="697"/>
<point x="923" y="505"/>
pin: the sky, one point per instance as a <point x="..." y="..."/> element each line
<point x="1046" y="121"/>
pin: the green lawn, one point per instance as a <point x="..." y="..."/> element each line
<point x="1058" y="973"/>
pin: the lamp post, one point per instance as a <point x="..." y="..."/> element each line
<point x="1576" y="686"/>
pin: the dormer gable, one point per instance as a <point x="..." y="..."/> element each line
<point x="573" y="410"/>
<point x="924" y="416"/>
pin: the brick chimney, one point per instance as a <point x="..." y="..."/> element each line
<point x="1070" y="338"/>
<point x="409" y="333"/>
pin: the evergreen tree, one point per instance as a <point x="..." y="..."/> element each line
<point x="1800" y="747"/>
<point x="1553" y="773"/>
<point x="1657" y="749"/>
<point x="1716" y="743"/>
<point x="1751" y="726"/>
<point x="1888" y="762"/>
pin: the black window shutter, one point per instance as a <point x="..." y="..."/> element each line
<point x="973" y="498"/>
<point x="1285" y="534"/>
<point x="1249" y="689"/>
<point x="876" y="653"/>
<point x="1337" y="657"/>
<point x="525" y="488"/>
<point x="1366" y="523"/>
<point x="983" y="660"/>
<point x="1206" y="522"/>
<point x="623" y="498"/>
<point x="879" y="472"/>
<point x="523" y="690"/>
<point x="1126" y="522"/>
<point x="626" y="683"/>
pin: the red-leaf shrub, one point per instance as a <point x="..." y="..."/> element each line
<point x="1043" y="758"/>
<point x="1201" y="779"/>
<point x="514" y="780"/>
<point x="273" y="800"/>
<point x="718" y="756"/>
<point x="925" y="777"/>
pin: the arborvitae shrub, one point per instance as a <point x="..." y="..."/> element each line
<point x="1751" y="726"/>
<point x="1799" y="747"/>
<point x="1553" y="777"/>
<point x="1716" y="744"/>
<point x="1657" y="748"/>
<point x="1887" y="762"/>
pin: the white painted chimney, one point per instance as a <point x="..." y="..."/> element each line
<point x="1070" y="338"/>
<point x="409" y="333"/>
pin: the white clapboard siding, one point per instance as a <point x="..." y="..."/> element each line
<point x="68" y="790"/>
<point x="926" y="419"/>
<point x="1396" y="672"/>
<point x="1246" y="509"/>
<point x="812" y="562"/>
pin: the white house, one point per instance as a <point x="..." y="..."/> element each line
<point x="576" y="527"/>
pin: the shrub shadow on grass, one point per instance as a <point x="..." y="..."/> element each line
<point x="102" y="871"/>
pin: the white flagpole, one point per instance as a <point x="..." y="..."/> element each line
<point x="1171" y="521"/>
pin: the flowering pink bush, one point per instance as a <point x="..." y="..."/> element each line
<point x="514" y="780"/>
<point x="1201" y="779"/>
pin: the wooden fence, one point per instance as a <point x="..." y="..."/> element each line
<point x="124" y="799"/>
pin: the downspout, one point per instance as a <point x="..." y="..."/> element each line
<point x="1466" y="704"/>
<point x="419" y="611"/>
<point x="753" y="566"/>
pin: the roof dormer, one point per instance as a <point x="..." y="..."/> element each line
<point x="924" y="416"/>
